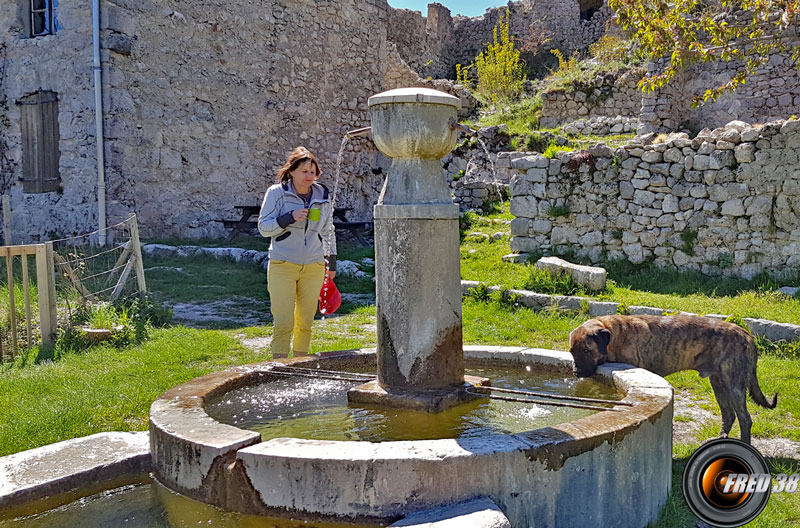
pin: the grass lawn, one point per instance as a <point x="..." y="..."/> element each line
<point x="45" y="400"/>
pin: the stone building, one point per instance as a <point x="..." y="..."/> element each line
<point x="201" y="103"/>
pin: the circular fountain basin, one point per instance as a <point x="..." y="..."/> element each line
<point x="320" y="409"/>
<point x="609" y="468"/>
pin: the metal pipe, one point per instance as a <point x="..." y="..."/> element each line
<point x="556" y="396"/>
<point x="455" y="125"/>
<point x="470" y="390"/>
<point x="98" y="121"/>
<point x="359" y="132"/>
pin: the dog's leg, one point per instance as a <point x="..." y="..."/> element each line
<point x="739" y="397"/>
<point x="726" y="407"/>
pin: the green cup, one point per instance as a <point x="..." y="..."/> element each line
<point x="314" y="214"/>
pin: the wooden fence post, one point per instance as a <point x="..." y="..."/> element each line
<point x="7" y="220"/>
<point x="137" y="251"/>
<point x="12" y="309"/>
<point x="45" y="281"/>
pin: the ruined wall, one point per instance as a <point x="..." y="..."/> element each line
<point x="725" y="202"/>
<point x="773" y="92"/>
<point x="400" y="75"/>
<point x="203" y="103"/>
<point x="433" y="45"/>
<point x="609" y="94"/>
<point x="423" y="41"/>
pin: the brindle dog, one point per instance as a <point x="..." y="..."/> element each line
<point x="721" y="351"/>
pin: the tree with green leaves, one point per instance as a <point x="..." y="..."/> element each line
<point x="500" y="72"/>
<point x="744" y="33"/>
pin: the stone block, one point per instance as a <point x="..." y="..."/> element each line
<point x="530" y="162"/>
<point x="476" y="513"/>
<point x="591" y="277"/>
<point x="745" y="153"/>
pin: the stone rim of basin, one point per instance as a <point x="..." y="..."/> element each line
<point x="191" y="457"/>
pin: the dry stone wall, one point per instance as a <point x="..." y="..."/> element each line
<point x="609" y="95"/>
<point x="400" y="75"/>
<point x="727" y="201"/>
<point x="773" y="92"/>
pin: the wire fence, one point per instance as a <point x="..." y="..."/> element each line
<point x="77" y="271"/>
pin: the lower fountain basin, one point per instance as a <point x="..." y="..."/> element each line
<point x="610" y="468"/>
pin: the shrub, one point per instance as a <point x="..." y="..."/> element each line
<point x="499" y="70"/>
<point x="552" y="150"/>
<point x="480" y="292"/>
<point x="609" y="48"/>
<point x="688" y="238"/>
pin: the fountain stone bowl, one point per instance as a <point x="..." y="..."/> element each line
<point x="611" y="468"/>
<point x="414" y="122"/>
<point x="414" y="127"/>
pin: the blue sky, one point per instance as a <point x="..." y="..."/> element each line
<point x="457" y="7"/>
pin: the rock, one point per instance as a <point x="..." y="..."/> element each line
<point x="745" y="153"/>
<point x="480" y="512"/>
<point x="349" y="269"/>
<point x="593" y="278"/>
<point x="516" y="258"/>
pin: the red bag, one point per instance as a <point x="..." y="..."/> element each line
<point x="329" y="297"/>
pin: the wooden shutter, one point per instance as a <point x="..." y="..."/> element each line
<point x="40" y="155"/>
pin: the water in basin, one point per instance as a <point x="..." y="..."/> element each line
<point x="148" y="505"/>
<point x="318" y="409"/>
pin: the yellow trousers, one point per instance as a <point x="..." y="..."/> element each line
<point x="294" y="295"/>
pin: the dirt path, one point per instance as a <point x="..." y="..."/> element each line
<point x="690" y="417"/>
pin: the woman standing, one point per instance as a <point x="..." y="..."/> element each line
<point x="297" y="214"/>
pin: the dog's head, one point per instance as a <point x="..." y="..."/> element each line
<point x="588" y="345"/>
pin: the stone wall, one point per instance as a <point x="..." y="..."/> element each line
<point x="727" y="201"/>
<point x="773" y="92"/>
<point x="422" y="41"/>
<point x="609" y="94"/>
<point x="400" y="75"/>
<point x="61" y="63"/>
<point x="433" y="45"/>
<point x="203" y="102"/>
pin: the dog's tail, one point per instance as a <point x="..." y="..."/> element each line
<point x="758" y="396"/>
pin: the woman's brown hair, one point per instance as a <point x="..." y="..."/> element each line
<point x="296" y="158"/>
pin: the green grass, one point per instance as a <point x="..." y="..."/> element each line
<point x="644" y="284"/>
<point x="203" y="278"/>
<point x="521" y="117"/>
<point x="104" y="389"/>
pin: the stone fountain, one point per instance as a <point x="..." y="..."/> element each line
<point x="611" y="468"/>
<point x="417" y="266"/>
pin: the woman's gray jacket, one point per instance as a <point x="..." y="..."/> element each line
<point x="304" y="241"/>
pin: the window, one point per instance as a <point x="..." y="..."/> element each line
<point x="43" y="17"/>
<point x="39" y="125"/>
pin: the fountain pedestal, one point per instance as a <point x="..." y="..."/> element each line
<point x="417" y="267"/>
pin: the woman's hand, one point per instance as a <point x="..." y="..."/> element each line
<point x="330" y="274"/>
<point x="299" y="214"/>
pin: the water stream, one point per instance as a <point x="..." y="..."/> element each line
<point x="345" y="139"/>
